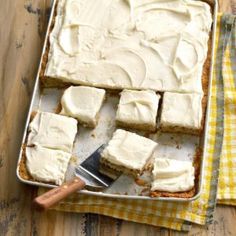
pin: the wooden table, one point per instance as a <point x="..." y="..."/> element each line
<point x="22" y="30"/>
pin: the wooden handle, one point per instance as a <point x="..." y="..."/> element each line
<point x="55" y="195"/>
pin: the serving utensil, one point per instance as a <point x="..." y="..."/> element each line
<point x="86" y="175"/>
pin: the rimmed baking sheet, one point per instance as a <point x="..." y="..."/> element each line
<point x="177" y="146"/>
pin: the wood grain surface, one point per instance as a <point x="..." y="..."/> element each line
<point x="22" y="31"/>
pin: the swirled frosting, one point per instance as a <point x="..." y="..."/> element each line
<point x="182" y="110"/>
<point x="47" y="165"/>
<point x="52" y="131"/>
<point x="172" y="175"/>
<point x="74" y="105"/>
<point x="129" y="150"/>
<point x="135" y="44"/>
<point x="138" y="107"/>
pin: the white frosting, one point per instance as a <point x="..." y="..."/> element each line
<point x="82" y="103"/>
<point x="138" y="107"/>
<point x="172" y="175"/>
<point x="128" y="150"/>
<point x="183" y="110"/>
<point x="158" y="45"/>
<point x="52" y="131"/>
<point x="47" y="165"/>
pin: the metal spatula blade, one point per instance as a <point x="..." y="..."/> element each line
<point x="91" y="167"/>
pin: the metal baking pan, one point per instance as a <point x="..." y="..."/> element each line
<point x="183" y="146"/>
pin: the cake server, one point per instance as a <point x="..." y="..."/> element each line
<point x="87" y="175"/>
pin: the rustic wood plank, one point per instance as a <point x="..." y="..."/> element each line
<point x="108" y="226"/>
<point x="23" y="24"/>
<point x="135" y="229"/>
<point x="54" y="223"/>
<point x="227" y="6"/>
<point x="21" y="43"/>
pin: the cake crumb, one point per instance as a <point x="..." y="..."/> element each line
<point x="58" y="108"/>
<point x="149" y="166"/>
<point x="145" y="192"/>
<point x="140" y="182"/>
<point x="178" y="146"/>
<point x="73" y="160"/>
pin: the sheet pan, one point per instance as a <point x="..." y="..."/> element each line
<point x="178" y="145"/>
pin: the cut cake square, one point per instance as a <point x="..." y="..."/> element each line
<point x="126" y="153"/>
<point x="172" y="176"/>
<point x="83" y="103"/>
<point x="138" y="109"/>
<point x="52" y="131"/>
<point x="182" y="112"/>
<point x="47" y="165"/>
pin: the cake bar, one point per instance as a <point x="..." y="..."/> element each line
<point x="171" y="175"/>
<point x="138" y="110"/>
<point x="181" y="113"/>
<point x="83" y="103"/>
<point x="126" y="153"/>
<point x="47" y="165"/>
<point x="52" y="131"/>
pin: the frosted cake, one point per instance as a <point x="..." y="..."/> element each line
<point x="127" y="153"/>
<point x="182" y="113"/>
<point x="159" y="45"/>
<point x="47" y="165"/>
<point x="83" y="103"/>
<point x="171" y="175"/>
<point x="52" y="131"/>
<point x="138" y="110"/>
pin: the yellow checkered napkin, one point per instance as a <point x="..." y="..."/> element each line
<point x="177" y="215"/>
<point x="227" y="177"/>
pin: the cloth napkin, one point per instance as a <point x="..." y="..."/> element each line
<point x="226" y="70"/>
<point x="181" y="215"/>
